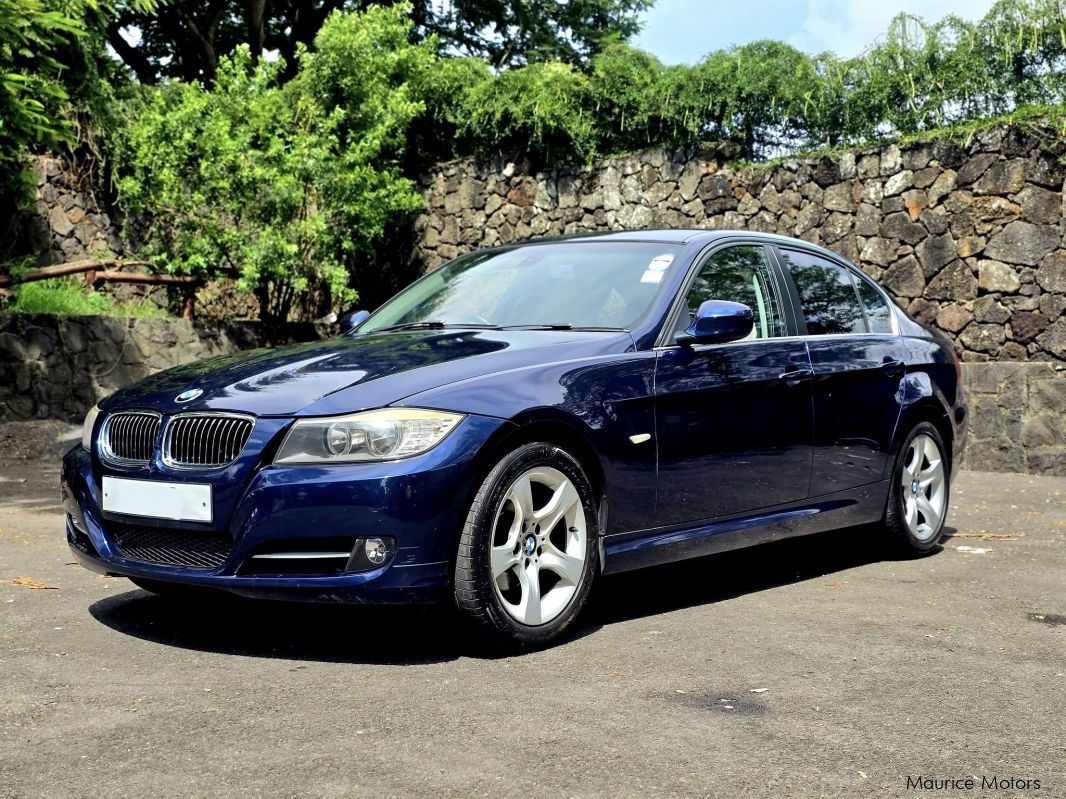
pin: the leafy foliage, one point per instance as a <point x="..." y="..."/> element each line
<point x="279" y="185"/>
<point x="33" y="98"/>
<point x="69" y="296"/>
<point x="769" y="98"/>
<point x="186" y="39"/>
<point x="507" y="33"/>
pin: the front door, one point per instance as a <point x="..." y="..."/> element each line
<point x="734" y="420"/>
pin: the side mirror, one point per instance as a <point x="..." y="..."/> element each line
<point x="351" y="320"/>
<point x="718" y="321"/>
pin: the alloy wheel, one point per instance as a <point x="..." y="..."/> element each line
<point x="924" y="487"/>
<point x="539" y="546"/>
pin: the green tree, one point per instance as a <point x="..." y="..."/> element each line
<point x="186" y="39"/>
<point x="33" y="97"/>
<point x="538" y="109"/>
<point x="626" y="91"/>
<point x="510" y="32"/>
<point x="280" y="186"/>
<point x="55" y="91"/>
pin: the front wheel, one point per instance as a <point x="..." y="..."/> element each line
<point x="918" y="495"/>
<point x="529" y="549"/>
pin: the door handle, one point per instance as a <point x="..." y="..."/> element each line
<point x="796" y="376"/>
<point x="892" y="368"/>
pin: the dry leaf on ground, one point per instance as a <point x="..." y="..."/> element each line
<point x="990" y="536"/>
<point x="29" y="582"/>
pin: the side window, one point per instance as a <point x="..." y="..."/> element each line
<point x="826" y="293"/>
<point x="878" y="313"/>
<point x="737" y="274"/>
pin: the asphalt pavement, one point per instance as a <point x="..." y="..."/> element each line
<point x="818" y="667"/>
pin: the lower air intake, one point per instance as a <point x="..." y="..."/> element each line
<point x="191" y="549"/>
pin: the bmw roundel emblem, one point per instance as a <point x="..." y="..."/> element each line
<point x="188" y="396"/>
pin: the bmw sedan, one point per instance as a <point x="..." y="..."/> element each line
<point x="525" y="419"/>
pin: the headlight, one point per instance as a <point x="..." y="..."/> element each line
<point x="87" y="427"/>
<point x="382" y="435"/>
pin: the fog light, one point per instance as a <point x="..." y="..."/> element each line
<point x="376" y="551"/>
<point x="371" y="553"/>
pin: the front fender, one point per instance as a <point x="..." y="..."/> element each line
<point x="607" y="400"/>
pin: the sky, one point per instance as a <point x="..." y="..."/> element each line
<point x="683" y="31"/>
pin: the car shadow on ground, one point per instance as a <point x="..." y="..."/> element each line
<point x="406" y="635"/>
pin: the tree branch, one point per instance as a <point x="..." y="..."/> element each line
<point x="130" y="56"/>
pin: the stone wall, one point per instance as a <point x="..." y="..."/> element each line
<point x="58" y="366"/>
<point x="968" y="235"/>
<point x="1017" y="415"/>
<point x="73" y="222"/>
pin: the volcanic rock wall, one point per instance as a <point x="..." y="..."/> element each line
<point x="969" y="235"/>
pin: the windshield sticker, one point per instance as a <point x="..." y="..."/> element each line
<point x="660" y="263"/>
<point x="651" y="276"/>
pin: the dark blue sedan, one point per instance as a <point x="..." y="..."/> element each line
<point x="524" y="419"/>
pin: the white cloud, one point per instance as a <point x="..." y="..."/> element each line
<point x="847" y="27"/>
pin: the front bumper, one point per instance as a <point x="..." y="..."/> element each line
<point x="419" y="502"/>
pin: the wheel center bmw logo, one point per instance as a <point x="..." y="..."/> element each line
<point x="531" y="544"/>
<point x="188" y="396"/>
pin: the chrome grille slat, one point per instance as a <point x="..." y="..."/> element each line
<point x="210" y="445"/>
<point x="231" y="437"/>
<point x="128" y="437"/>
<point x="205" y="440"/>
<point x="149" y="437"/>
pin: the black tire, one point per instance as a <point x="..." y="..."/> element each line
<point x="476" y="594"/>
<point x="903" y="539"/>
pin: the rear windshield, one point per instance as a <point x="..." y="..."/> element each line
<point x="580" y="284"/>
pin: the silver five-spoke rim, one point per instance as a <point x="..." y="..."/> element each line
<point x="924" y="487"/>
<point x="538" y="548"/>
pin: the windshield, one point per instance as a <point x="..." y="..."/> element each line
<point x="575" y="284"/>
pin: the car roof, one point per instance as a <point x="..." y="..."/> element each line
<point x="673" y="236"/>
<point x="686" y="237"/>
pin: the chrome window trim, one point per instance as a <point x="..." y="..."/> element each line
<point x="808" y="337"/>
<point x="104" y="449"/>
<point x="184" y="467"/>
<point x="742" y="238"/>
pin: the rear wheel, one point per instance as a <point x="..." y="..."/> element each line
<point x="529" y="549"/>
<point x="919" y="492"/>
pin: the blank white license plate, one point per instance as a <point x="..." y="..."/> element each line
<point x="158" y="500"/>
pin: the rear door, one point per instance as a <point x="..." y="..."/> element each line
<point x="734" y="420"/>
<point x="858" y="361"/>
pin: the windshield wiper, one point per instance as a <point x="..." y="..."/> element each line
<point x="562" y="326"/>
<point x="436" y="325"/>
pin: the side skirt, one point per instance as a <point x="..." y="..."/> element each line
<point x="862" y="505"/>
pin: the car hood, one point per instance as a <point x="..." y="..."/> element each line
<point x="355" y="372"/>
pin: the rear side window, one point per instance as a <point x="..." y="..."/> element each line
<point x="877" y="312"/>
<point x="826" y="293"/>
